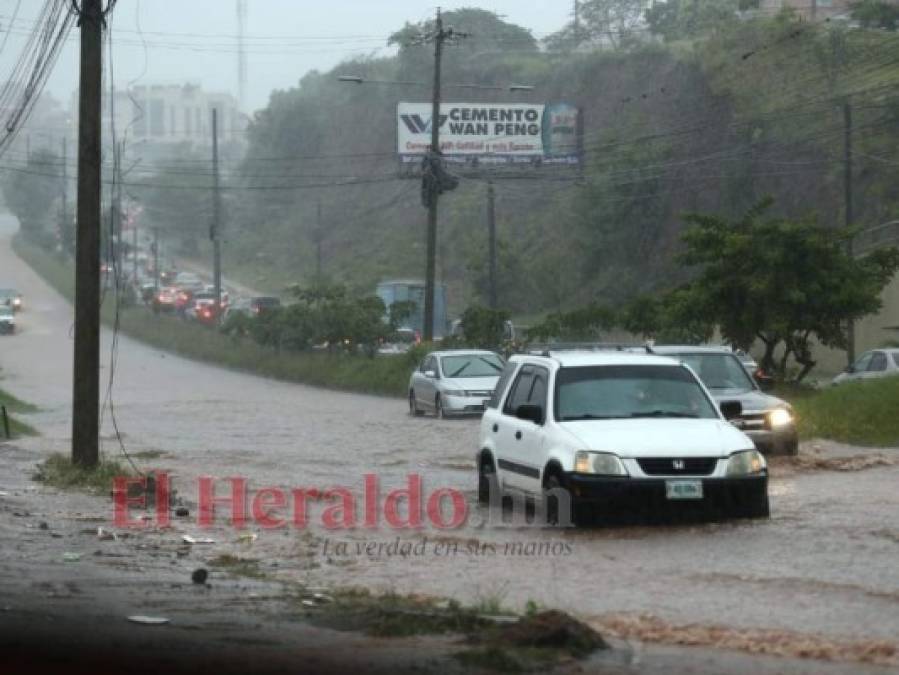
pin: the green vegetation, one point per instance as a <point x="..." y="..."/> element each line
<point x="861" y="413"/>
<point x="14" y="405"/>
<point x="59" y="471"/>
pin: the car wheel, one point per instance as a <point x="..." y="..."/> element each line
<point x="550" y="502"/>
<point x="438" y="408"/>
<point x="413" y="406"/>
<point x="759" y="507"/>
<point x="488" y="483"/>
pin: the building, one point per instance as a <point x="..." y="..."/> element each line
<point x="164" y="115"/>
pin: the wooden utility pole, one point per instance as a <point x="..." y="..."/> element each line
<point x="65" y="192"/>
<point x="847" y="175"/>
<point x="86" y="375"/>
<point x="319" y="235"/>
<point x="491" y="241"/>
<point x="216" y="215"/>
<point x="431" y="267"/>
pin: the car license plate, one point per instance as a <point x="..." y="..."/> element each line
<point x="683" y="489"/>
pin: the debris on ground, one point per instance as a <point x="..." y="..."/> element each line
<point x="551" y="629"/>
<point x="199" y="575"/>
<point x="105" y="535"/>
<point x="187" y="539"/>
<point x="182" y="512"/>
<point x="846" y="463"/>
<point x="149" y="620"/>
<point x="71" y="557"/>
<point x="43" y="525"/>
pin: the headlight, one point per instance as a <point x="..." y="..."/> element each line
<point x="779" y="417"/>
<point x="746" y="463"/>
<point x="599" y="463"/>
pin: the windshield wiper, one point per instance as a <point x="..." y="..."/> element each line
<point x="588" y="416"/>
<point x="664" y="413"/>
<point x="459" y="372"/>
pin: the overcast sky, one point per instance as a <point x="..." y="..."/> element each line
<point x="177" y="41"/>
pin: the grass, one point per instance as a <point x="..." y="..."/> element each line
<point x="59" y="471"/>
<point x="383" y="375"/>
<point x="861" y="413"/>
<point x="14" y="405"/>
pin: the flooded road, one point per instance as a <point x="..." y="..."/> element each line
<point x="825" y="565"/>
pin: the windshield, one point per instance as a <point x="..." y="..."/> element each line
<point x="719" y="371"/>
<point x="617" y="392"/>
<point x="472" y="365"/>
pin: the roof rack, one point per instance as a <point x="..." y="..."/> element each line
<point x="547" y="349"/>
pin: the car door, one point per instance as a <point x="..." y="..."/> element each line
<point x="522" y="440"/>
<point x="424" y="386"/>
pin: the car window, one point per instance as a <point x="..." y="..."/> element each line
<point x="521" y="390"/>
<point x="718" y="370"/>
<point x="878" y="362"/>
<point x="895" y="357"/>
<point x="539" y="388"/>
<point x="861" y="364"/>
<point x="501" y="384"/>
<point x="472" y="365"/>
<point x="617" y="392"/>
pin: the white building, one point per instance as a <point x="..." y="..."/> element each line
<point x="163" y="114"/>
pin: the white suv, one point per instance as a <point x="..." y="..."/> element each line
<point x="617" y="434"/>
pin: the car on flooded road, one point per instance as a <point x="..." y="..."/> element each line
<point x="10" y="297"/>
<point x="617" y="434"/>
<point x="454" y="382"/>
<point x="768" y="420"/>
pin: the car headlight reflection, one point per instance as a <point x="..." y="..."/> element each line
<point x="746" y="463"/>
<point x="779" y="417"/>
<point x="599" y="463"/>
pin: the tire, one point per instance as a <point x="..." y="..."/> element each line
<point x="758" y="508"/>
<point x="439" y="412"/>
<point x="488" y="483"/>
<point x="551" y="504"/>
<point x="413" y="406"/>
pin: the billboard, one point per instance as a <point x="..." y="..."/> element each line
<point x="492" y="133"/>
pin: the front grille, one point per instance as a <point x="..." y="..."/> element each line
<point x="678" y="466"/>
<point x="751" y="422"/>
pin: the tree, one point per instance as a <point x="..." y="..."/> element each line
<point x="483" y="327"/>
<point x="876" y="14"/>
<point x="781" y="281"/>
<point x="679" y="19"/>
<point x="31" y="193"/>
<point x="613" y="22"/>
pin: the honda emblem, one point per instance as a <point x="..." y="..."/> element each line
<point x="678" y="465"/>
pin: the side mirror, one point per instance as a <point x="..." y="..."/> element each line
<point x="430" y="374"/>
<point x="532" y="413"/>
<point x="731" y="409"/>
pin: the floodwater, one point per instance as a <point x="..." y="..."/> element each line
<point x="825" y="564"/>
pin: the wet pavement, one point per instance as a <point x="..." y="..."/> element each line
<point x="824" y="568"/>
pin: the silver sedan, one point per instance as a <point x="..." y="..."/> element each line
<point x="454" y="382"/>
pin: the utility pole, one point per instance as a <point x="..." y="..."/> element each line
<point x="116" y="214"/>
<point x="491" y="240"/>
<point x="435" y="179"/>
<point x="319" y="235"/>
<point x="814" y="10"/>
<point x="430" y="267"/>
<point x="155" y="261"/>
<point x="847" y="123"/>
<point x="86" y="374"/>
<point x="65" y="192"/>
<point x="216" y="213"/>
